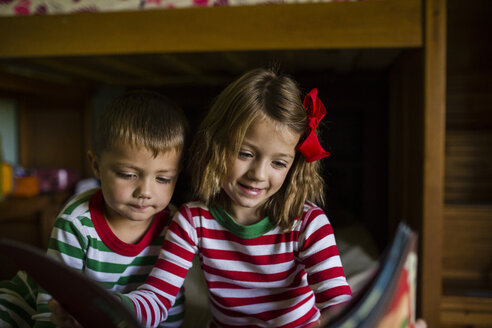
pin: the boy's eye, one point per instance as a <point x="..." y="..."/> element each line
<point x="125" y="175"/>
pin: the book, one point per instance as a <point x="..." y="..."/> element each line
<point x="88" y="302"/>
<point x="388" y="299"/>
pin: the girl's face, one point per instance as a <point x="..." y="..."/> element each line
<point x="135" y="184"/>
<point x="258" y="172"/>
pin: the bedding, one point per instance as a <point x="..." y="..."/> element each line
<point x="42" y="7"/>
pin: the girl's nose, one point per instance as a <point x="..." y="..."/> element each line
<point x="257" y="170"/>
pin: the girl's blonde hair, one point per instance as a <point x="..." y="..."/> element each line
<point x="142" y="118"/>
<point x="265" y="94"/>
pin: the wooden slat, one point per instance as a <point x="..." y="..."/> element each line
<point x="189" y="70"/>
<point x="469" y="137"/>
<point x="77" y="70"/>
<point x="468" y="158"/>
<point x="467" y="242"/>
<point x="129" y="69"/>
<point x="383" y="23"/>
<point x="466" y="311"/>
<point x="234" y="61"/>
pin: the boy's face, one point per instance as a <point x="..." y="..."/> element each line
<point x="135" y="184"/>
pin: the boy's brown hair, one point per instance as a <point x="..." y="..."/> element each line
<point x="264" y="94"/>
<point x="142" y="118"/>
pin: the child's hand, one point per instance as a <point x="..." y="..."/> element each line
<point x="60" y="317"/>
<point x="420" y="323"/>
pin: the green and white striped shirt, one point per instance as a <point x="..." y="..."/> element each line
<point x="18" y="301"/>
<point x="82" y="239"/>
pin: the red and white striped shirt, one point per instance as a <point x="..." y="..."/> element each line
<point x="257" y="275"/>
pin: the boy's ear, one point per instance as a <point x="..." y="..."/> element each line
<point x="94" y="163"/>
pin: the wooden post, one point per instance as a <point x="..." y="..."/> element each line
<point x="433" y="170"/>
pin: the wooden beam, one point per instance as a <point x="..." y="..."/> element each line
<point x="433" y="170"/>
<point x="364" y="24"/>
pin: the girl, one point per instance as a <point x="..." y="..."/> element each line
<point x="267" y="251"/>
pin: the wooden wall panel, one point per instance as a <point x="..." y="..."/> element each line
<point x="467" y="226"/>
<point x="467" y="251"/>
<point x="468" y="180"/>
<point x="469" y="138"/>
<point x="51" y="135"/>
<point x="466" y="312"/>
<point x="468" y="167"/>
<point x="406" y="141"/>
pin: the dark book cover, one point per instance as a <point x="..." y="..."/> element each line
<point x="88" y="302"/>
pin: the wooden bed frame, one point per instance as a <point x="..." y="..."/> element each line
<point x="293" y="26"/>
<point x="418" y="125"/>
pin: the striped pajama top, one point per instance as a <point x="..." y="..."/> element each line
<point x="82" y="239"/>
<point x="257" y="275"/>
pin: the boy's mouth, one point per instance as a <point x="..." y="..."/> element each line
<point x="139" y="207"/>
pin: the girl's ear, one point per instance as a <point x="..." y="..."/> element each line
<point x="94" y="163"/>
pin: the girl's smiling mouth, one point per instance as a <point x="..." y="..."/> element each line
<point x="252" y="191"/>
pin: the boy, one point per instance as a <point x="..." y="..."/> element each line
<point x="113" y="234"/>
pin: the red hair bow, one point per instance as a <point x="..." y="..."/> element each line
<point x="309" y="146"/>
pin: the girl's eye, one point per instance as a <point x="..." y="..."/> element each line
<point x="279" y="164"/>
<point x="163" y="180"/>
<point x="125" y="175"/>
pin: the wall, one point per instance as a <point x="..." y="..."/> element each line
<point x="8" y="131"/>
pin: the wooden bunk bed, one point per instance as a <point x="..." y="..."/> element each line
<point x="417" y="99"/>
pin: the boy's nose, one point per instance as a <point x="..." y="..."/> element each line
<point x="143" y="195"/>
<point x="143" y="190"/>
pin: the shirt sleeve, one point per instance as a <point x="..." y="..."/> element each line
<point x="17" y="301"/>
<point x="319" y="254"/>
<point x="153" y="300"/>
